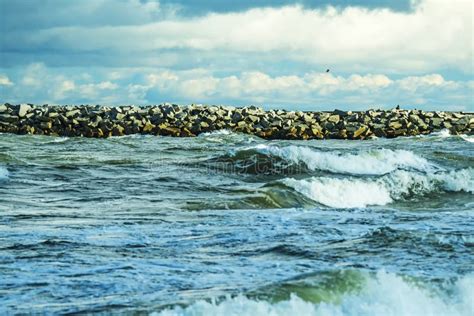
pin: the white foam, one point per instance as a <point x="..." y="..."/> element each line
<point x="467" y="138"/>
<point x="384" y="294"/>
<point x="61" y="139"/>
<point x="3" y="173"/>
<point x="444" y="133"/>
<point x="461" y="180"/>
<point x="354" y="192"/>
<point x="450" y="239"/>
<point x="371" y="162"/>
<point x="342" y="193"/>
<point x="216" y="133"/>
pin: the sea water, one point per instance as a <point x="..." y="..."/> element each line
<point x="230" y="224"/>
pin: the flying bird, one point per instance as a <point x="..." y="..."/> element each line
<point x="327" y="70"/>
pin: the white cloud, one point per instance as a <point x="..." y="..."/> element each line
<point x="310" y="88"/>
<point x="95" y="90"/>
<point x="61" y="90"/>
<point x="435" y="34"/>
<point x="39" y="83"/>
<point x="34" y="75"/>
<point x="5" y="81"/>
<point x="428" y="81"/>
<point x="141" y="52"/>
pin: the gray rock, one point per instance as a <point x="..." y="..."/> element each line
<point x="173" y="120"/>
<point x="253" y="118"/>
<point x="120" y="116"/>
<point x="53" y="114"/>
<point x="436" y="122"/>
<point x="236" y="117"/>
<point x="9" y="118"/>
<point x="334" y="119"/>
<point x="395" y="125"/>
<point x="72" y="113"/>
<point x="24" y="108"/>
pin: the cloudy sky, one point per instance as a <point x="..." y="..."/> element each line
<point x="416" y="53"/>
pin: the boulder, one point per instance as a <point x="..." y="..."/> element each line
<point x="9" y="118"/>
<point x="148" y="127"/>
<point x="361" y="130"/>
<point x="173" y="120"/>
<point x="118" y="130"/>
<point x="395" y="125"/>
<point x="436" y="122"/>
<point x="23" y="109"/>
<point x="334" y="119"/>
<point x="72" y="113"/>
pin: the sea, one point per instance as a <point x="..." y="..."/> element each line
<point x="231" y="224"/>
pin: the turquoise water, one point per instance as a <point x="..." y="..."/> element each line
<point x="231" y="224"/>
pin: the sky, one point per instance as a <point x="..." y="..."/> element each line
<point x="380" y="53"/>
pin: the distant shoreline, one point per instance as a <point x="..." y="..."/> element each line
<point x="188" y="121"/>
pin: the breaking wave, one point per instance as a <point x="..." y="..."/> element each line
<point x="382" y="294"/>
<point x="371" y="162"/>
<point x="467" y="138"/>
<point x="355" y="192"/>
<point x="216" y="133"/>
<point x="445" y="133"/>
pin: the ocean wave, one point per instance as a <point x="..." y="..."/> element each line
<point x="455" y="239"/>
<point x="381" y="294"/>
<point x="251" y="162"/>
<point x="225" y="136"/>
<point x="355" y="192"/>
<point x="468" y="138"/>
<point x="61" y="139"/>
<point x="371" y="162"/>
<point x="3" y="173"/>
<point x="387" y="236"/>
<point x="446" y="133"/>
<point x="343" y="193"/>
<point x="216" y="133"/>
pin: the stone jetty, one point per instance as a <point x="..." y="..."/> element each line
<point x="192" y="120"/>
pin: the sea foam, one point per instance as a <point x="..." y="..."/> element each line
<point x="3" y="173"/>
<point x="383" y="294"/>
<point x="356" y="192"/>
<point x="342" y="193"/>
<point x="371" y="162"/>
<point x="467" y="138"/>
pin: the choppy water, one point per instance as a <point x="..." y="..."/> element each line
<point x="229" y="224"/>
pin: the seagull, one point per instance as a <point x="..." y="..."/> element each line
<point x="327" y="70"/>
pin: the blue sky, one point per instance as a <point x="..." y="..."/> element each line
<point x="380" y="53"/>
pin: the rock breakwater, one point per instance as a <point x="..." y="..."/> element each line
<point x="192" y="120"/>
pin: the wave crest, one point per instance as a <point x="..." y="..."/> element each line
<point x="372" y="162"/>
<point x="355" y="192"/>
<point x="382" y="294"/>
